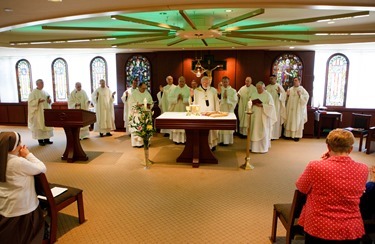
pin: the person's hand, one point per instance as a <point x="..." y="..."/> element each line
<point x="40" y="100"/>
<point x="24" y="151"/>
<point x="179" y="97"/>
<point x="325" y="155"/>
<point x="278" y="89"/>
<point x="299" y="93"/>
<point x="191" y="92"/>
<point x="372" y="173"/>
<point x="288" y="92"/>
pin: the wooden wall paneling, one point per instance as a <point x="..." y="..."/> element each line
<point x="17" y="113"/>
<point x="4" y="113"/>
<point x="249" y="63"/>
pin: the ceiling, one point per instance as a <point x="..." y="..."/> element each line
<point x="175" y="25"/>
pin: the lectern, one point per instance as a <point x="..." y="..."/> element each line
<point x="71" y="120"/>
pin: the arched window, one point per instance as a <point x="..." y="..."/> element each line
<point x="286" y="67"/>
<point x="60" y="80"/>
<point x="336" y="80"/>
<point x="98" y="67"/>
<point x="24" y="79"/>
<point x="138" y="67"/>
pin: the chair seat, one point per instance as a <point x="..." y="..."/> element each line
<point x="71" y="192"/>
<point x="358" y="130"/>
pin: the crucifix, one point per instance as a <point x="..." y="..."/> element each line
<point x="207" y="65"/>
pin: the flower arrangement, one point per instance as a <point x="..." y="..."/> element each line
<point x="141" y="121"/>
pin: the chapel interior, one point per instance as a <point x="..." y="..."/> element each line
<point x="172" y="202"/>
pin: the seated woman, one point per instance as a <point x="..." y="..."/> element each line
<point x="21" y="218"/>
<point x="334" y="186"/>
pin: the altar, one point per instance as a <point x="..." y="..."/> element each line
<point x="196" y="149"/>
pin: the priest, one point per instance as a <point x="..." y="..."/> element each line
<point x="139" y="97"/>
<point x="262" y="119"/>
<point x="164" y="100"/>
<point x="125" y="99"/>
<point x="296" y="110"/>
<point x="78" y="99"/>
<point x="103" y="100"/>
<point x="279" y="96"/>
<point x="244" y="95"/>
<point x="228" y="102"/>
<point x="178" y="99"/>
<point x="38" y="101"/>
<point x="206" y="97"/>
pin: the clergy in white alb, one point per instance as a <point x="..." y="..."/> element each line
<point x="164" y="99"/>
<point x="206" y="97"/>
<point x="125" y="98"/>
<point x="178" y="99"/>
<point x="228" y="102"/>
<point x="103" y="100"/>
<point x="38" y="101"/>
<point x="137" y="99"/>
<point x="296" y="110"/>
<point x="244" y="95"/>
<point x="78" y="99"/>
<point x="279" y="96"/>
<point x="262" y="120"/>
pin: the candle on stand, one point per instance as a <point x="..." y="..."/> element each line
<point x="145" y="103"/>
<point x="249" y="105"/>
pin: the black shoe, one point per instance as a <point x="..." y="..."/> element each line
<point x="108" y="134"/>
<point x="166" y="135"/>
<point x="213" y="149"/>
<point x="223" y="144"/>
<point x="295" y="139"/>
<point x="47" y="141"/>
<point x="101" y="134"/>
<point x="41" y="143"/>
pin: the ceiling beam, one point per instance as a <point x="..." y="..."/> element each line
<point x="187" y="19"/>
<point x="238" y="18"/>
<point x="266" y="38"/>
<point x="300" y="21"/>
<point x="145" y="22"/>
<point x="231" y="40"/>
<point x="77" y="28"/>
<point x="144" y="40"/>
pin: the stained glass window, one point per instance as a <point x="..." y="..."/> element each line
<point x="286" y="67"/>
<point x="336" y="80"/>
<point x="60" y="80"/>
<point x="98" y="72"/>
<point x="24" y="79"/>
<point x="138" y="67"/>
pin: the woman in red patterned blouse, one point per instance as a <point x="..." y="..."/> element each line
<point x="333" y="186"/>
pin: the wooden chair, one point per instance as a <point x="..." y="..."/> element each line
<point x="55" y="204"/>
<point x="359" y="127"/>
<point x="288" y="214"/>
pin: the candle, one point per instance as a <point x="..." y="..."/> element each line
<point x="249" y="105"/>
<point x="145" y="103"/>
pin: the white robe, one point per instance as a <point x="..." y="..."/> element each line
<point x="81" y="98"/>
<point x="296" y="112"/>
<point x="227" y="105"/>
<point x="136" y="98"/>
<point x="176" y="105"/>
<point x="244" y="93"/>
<point x="105" y="115"/>
<point x="262" y="121"/>
<point x="279" y="101"/>
<point x="125" y="99"/>
<point x="36" y="115"/>
<point x="200" y="96"/>
<point x="165" y="104"/>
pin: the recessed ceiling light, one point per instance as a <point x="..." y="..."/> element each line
<point x="291" y="47"/>
<point x="55" y="1"/>
<point x="331" y="22"/>
<point x="8" y="10"/>
<point x="229" y="11"/>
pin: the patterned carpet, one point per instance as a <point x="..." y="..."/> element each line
<point x="173" y="202"/>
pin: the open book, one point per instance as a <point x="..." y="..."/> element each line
<point x="55" y="192"/>
<point x="256" y="101"/>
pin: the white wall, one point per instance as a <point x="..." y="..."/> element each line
<point x="361" y="81"/>
<point x="78" y="70"/>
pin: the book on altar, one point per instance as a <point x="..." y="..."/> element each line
<point x="256" y="101"/>
<point x="55" y="192"/>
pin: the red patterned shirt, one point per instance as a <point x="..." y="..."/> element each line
<point x="333" y="187"/>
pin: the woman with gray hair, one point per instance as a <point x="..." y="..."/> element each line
<point x="21" y="218"/>
<point x="334" y="186"/>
